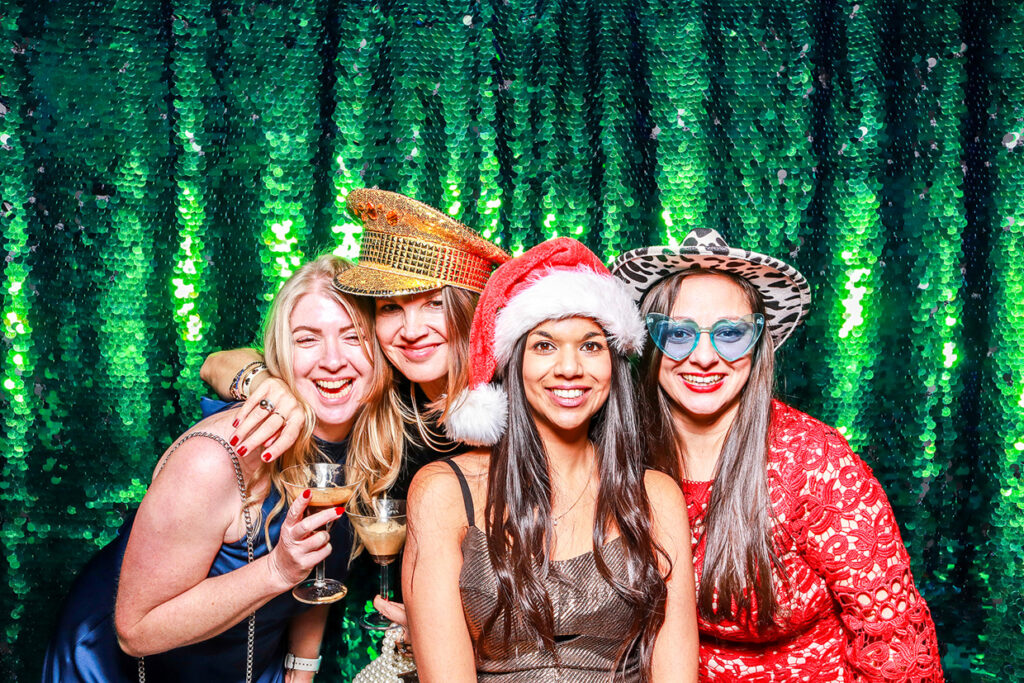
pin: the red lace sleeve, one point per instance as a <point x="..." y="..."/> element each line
<point x="854" y="543"/>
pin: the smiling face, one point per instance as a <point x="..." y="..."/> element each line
<point x="567" y="371"/>
<point x="332" y="371"/>
<point x="413" y="333"/>
<point x="704" y="389"/>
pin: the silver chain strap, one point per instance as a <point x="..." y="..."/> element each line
<point x="250" y="534"/>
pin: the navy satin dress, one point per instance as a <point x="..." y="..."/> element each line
<point x="84" y="647"/>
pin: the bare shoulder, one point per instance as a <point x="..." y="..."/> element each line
<point x="668" y="506"/>
<point x="662" y="489"/>
<point x="194" y="487"/>
<point x="435" y="493"/>
<point x="196" y="461"/>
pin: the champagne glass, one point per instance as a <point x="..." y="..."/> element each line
<point x="326" y="484"/>
<point x="383" y="534"/>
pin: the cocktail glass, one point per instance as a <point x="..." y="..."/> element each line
<point x="326" y="484"/>
<point x="383" y="534"/>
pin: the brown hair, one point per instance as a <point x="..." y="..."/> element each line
<point x="519" y="527"/>
<point x="389" y="421"/>
<point x="739" y="555"/>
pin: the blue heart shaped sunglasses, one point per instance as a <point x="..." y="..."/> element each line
<point x="732" y="338"/>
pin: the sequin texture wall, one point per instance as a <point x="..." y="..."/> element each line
<point x="164" y="164"/>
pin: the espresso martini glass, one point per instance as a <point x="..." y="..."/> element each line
<point x="326" y="484"/>
<point x="383" y="534"/>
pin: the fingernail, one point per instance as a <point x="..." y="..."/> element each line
<point x="266" y="457"/>
<point x="340" y="510"/>
<point x="234" y="424"/>
<point x="243" y="450"/>
<point x="234" y="439"/>
<point x="307" y="493"/>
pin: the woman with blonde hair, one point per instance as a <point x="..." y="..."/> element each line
<point x="202" y="572"/>
<point x="422" y="273"/>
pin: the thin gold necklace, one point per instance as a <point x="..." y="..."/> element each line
<point x="586" y="487"/>
<point x="432" y="439"/>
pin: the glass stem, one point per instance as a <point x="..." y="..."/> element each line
<point x="320" y="568"/>
<point x="384" y="581"/>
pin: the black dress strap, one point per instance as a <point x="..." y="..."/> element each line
<point x="467" y="499"/>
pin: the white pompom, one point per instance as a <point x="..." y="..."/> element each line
<point x="478" y="416"/>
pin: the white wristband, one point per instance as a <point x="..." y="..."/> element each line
<point x="301" y="664"/>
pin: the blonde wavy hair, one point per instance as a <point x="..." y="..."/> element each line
<point x="315" y="276"/>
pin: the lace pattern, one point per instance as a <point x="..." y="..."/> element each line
<point x="849" y="607"/>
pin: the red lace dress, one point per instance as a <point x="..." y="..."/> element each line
<point x="849" y="608"/>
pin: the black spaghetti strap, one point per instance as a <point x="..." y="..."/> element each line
<point x="467" y="499"/>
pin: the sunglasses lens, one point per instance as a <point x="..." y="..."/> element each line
<point x="675" y="338"/>
<point x="732" y="339"/>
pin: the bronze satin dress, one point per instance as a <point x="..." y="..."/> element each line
<point x="591" y="619"/>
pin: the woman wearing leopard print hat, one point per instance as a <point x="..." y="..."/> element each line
<point x="801" y="572"/>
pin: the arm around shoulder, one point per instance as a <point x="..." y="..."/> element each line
<point x="220" y="368"/>
<point x="675" y="650"/>
<point x="430" y="577"/>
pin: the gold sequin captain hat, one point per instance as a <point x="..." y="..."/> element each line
<point x="409" y="247"/>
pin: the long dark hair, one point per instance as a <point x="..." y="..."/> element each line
<point x="518" y="517"/>
<point x="739" y="554"/>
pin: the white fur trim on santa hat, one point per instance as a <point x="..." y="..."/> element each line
<point x="477" y="416"/>
<point x="560" y="293"/>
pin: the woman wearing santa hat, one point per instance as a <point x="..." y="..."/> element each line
<point x="552" y="554"/>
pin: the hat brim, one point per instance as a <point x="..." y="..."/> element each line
<point x="376" y="281"/>
<point x="786" y="294"/>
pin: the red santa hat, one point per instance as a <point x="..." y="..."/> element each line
<point x="557" y="279"/>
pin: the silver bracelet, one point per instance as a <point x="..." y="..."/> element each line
<point x="301" y="664"/>
<point x="243" y="391"/>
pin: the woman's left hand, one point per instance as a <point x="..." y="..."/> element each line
<point x="395" y="611"/>
<point x="271" y="419"/>
<point x="293" y="676"/>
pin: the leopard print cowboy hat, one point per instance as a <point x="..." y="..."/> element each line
<point x="787" y="296"/>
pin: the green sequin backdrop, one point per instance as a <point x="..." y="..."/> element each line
<point x="164" y="163"/>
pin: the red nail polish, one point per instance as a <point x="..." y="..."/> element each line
<point x="235" y="423"/>
<point x="307" y="493"/>
<point x="234" y="440"/>
<point x="266" y="457"/>
<point x="243" y="450"/>
<point x="340" y="510"/>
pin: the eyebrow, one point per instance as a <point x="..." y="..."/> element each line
<point x="307" y="328"/>
<point x="588" y="336"/>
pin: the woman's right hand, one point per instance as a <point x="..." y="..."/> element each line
<point x="271" y="420"/>
<point x="303" y="543"/>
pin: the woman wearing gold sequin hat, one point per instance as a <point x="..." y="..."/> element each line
<point x="424" y="272"/>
